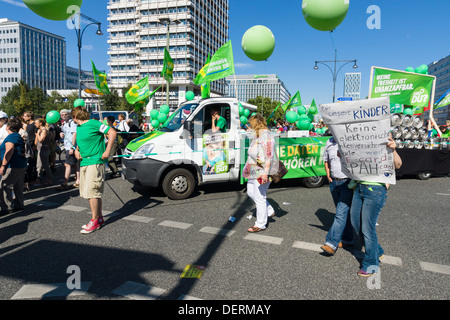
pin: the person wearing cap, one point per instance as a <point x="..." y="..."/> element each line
<point x="3" y="121"/>
<point x="69" y="134"/>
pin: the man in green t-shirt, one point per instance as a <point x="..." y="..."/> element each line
<point x="93" y="155"/>
<point x="218" y="123"/>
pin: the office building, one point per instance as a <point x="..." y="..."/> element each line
<point x="32" y="55"/>
<point x="440" y="69"/>
<point x="87" y="79"/>
<point x="352" y="85"/>
<point x="250" y="86"/>
<point x="138" y="35"/>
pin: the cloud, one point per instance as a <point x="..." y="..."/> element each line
<point x="244" y="66"/>
<point x="15" y="3"/>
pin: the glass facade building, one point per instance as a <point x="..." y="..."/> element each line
<point x="138" y="35"/>
<point x="352" y="85"/>
<point x="440" y="69"/>
<point x="32" y="55"/>
<point x="250" y="86"/>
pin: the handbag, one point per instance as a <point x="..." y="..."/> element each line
<point x="282" y="170"/>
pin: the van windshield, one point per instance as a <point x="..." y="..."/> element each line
<point x="177" y="119"/>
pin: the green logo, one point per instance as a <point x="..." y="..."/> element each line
<point x="420" y="97"/>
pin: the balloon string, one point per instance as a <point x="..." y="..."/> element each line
<point x="332" y="40"/>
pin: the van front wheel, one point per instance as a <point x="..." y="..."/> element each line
<point x="178" y="184"/>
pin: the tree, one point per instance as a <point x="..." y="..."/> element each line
<point x="24" y="102"/>
<point x="112" y="101"/>
<point x="265" y="107"/>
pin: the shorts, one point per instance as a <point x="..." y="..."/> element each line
<point x="92" y="181"/>
<point x="70" y="158"/>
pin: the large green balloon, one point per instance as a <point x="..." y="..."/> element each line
<point x="410" y="69"/>
<point x="246" y="113"/>
<point x="154" y="123"/>
<point x="422" y="69"/>
<point x="189" y="95"/>
<point x="324" y="15"/>
<point x="154" y="114"/>
<point x="52" y="117"/>
<point x="291" y="116"/>
<point x="164" y="109"/>
<point x="303" y="124"/>
<point x="243" y="119"/>
<point x="258" y="43"/>
<point x="301" y="110"/>
<point x="162" y="117"/>
<point x="79" y="103"/>
<point x="54" y="9"/>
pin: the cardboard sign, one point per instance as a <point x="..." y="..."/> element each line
<point x="361" y="129"/>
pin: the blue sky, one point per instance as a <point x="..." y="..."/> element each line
<point x="413" y="32"/>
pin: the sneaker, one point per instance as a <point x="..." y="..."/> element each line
<point x="328" y="249"/>
<point x="362" y="273"/>
<point x="92" y="226"/>
<point x="101" y="221"/>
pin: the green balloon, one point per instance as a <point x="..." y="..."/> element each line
<point x="52" y="117"/>
<point x="189" y="95"/>
<point x="241" y="110"/>
<point x="154" y="114"/>
<point x="164" y="109"/>
<point x="312" y="110"/>
<point x="292" y="116"/>
<point x="246" y="113"/>
<point x="422" y="69"/>
<point x="79" y="103"/>
<point x="324" y="15"/>
<point x="162" y="117"/>
<point x="408" y="111"/>
<point x="243" y="119"/>
<point x="54" y="9"/>
<point x="301" y="110"/>
<point x="154" y="123"/>
<point x="254" y="114"/>
<point x="303" y="124"/>
<point x="410" y="69"/>
<point x="258" y="43"/>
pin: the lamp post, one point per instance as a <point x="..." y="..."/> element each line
<point x="167" y="22"/>
<point x="334" y="71"/>
<point x="80" y="32"/>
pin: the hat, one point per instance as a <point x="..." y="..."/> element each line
<point x="3" y="115"/>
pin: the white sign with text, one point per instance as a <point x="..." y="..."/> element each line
<point x="361" y="129"/>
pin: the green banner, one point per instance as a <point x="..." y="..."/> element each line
<point x="220" y="66"/>
<point x="139" y="91"/>
<point x="100" y="80"/>
<point x="443" y="101"/>
<point x="167" y="71"/>
<point x="402" y="87"/>
<point x="295" y="101"/>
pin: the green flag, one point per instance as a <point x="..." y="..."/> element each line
<point x="220" y="66"/>
<point x="272" y="114"/>
<point x="142" y="103"/>
<point x="167" y="71"/>
<point x="139" y="91"/>
<point x="206" y="87"/>
<point x="295" y="101"/>
<point x="443" y="101"/>
<point x="100" y="80"/>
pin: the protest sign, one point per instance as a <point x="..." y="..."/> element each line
<point x="361" y="129"/>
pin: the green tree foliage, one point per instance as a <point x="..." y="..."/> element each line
<point x="265" y="107"/>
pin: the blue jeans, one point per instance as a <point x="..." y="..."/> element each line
<point x="341" y="229"/>
<point x="368" y="200"/>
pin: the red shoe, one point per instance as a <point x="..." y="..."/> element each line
<point x="92" y="226"/>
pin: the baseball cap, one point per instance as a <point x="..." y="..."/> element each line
<point x="3" y="115"/>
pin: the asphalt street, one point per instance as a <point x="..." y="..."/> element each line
<point x="148" y="241"/>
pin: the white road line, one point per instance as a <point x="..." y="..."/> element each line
<point x="138" y="291"/>
<point x="41" y="203"/>
<point x="39" y="291"/>
<point x="174" y="224"/>
<point x="72" y="208"/>
<point x="266" y="239"/>
<point x="219" y="231"/>
<point x="439" y="268"/>
<point x="135" y="217"/>
<point x="307" y="246"/>
<point x="443" y="194"/>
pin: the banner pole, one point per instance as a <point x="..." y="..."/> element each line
<point x="432" y="107"/>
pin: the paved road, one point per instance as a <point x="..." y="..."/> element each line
<point x="149" y="240"/>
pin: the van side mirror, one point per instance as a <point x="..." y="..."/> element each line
<point x="188" y="131"/>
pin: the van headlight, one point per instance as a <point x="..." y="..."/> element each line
<point x="143" y="151"/>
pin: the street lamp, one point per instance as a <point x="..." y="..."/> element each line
<point x="167" y="22"/>
<point x="333" y="71"/>
<point x="80" y="32"/>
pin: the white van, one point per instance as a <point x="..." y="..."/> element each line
<point x="184" y="153"/>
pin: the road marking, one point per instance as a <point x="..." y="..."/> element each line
<point x="138" y="291"/>
<point x="41" y="203"/>
<point x="439" y="268"/>
<point x="443" y="194"/>
<point x="219" y="231"/>
<point x="174" y="224"/>
<point x="266" y="239"/>
<point x="307" y="246"/>
<point x="39" y="291"/>
<point x="135" y="217"/>
<point x="72" y="208"/>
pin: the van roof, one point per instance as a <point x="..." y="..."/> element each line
<point x="244" y="104"/>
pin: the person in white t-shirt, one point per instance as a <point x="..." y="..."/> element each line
<point x="3" y="121"/>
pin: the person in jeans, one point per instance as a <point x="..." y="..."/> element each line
<point x="368" y="200"/>
<point x="68" y="133"/>
<point x="341" y="232"/>
<point x="13" y="167"/>
<point x="258" y="167"/>
<point x="93" y="155"/>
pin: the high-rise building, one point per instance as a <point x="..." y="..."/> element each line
<point x="250" y="86"/>
<point x="440" y="69"/>
<point x="352" y="85"/>
<point x="138" y="35"/>
<point x="32" y="55"/>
